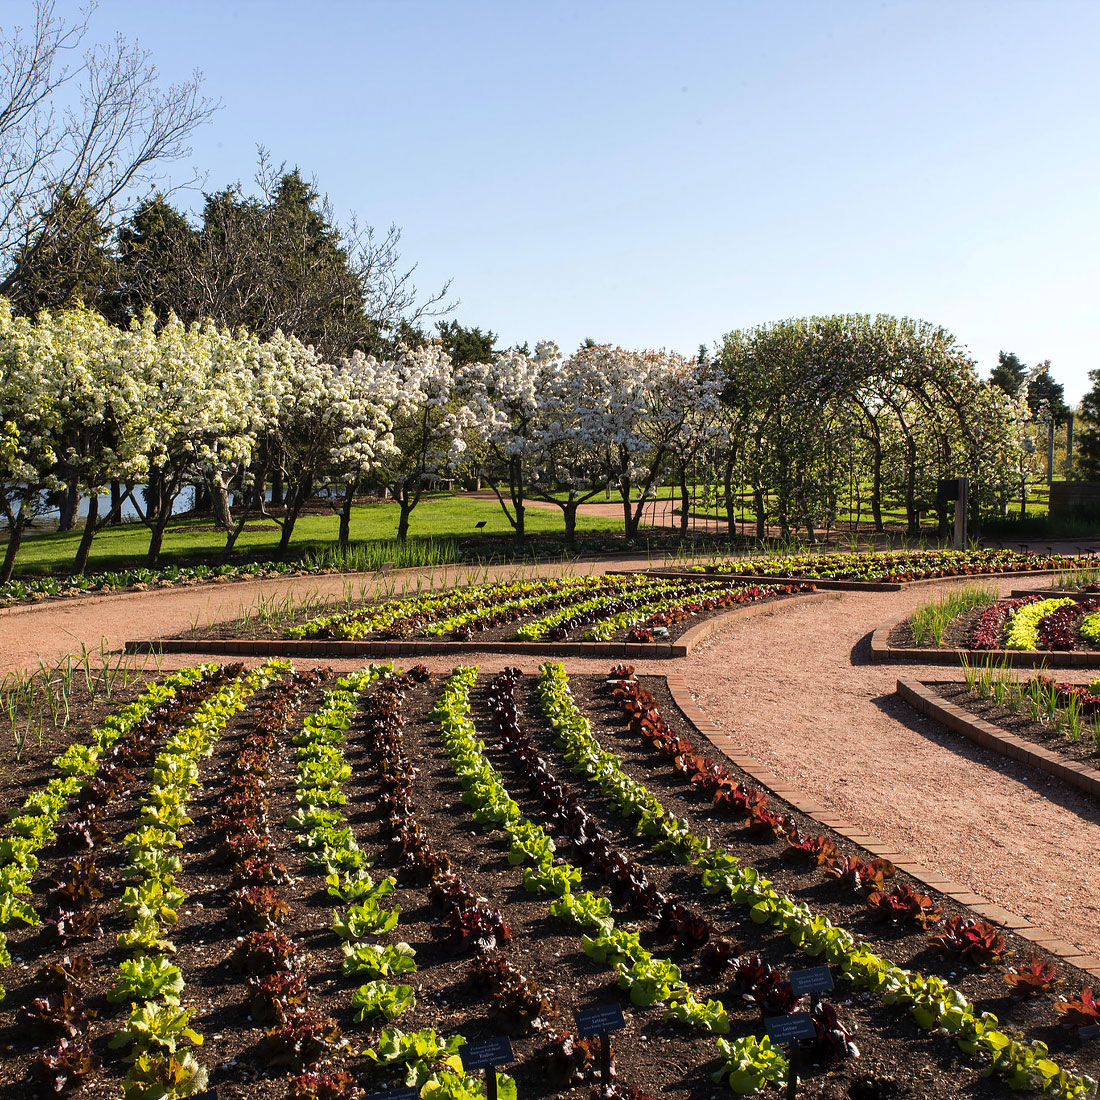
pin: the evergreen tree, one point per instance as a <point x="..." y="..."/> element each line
<point x="73" y="261"/>
<point x="466" y="345"/>
<point x="1044" y="396"/>
<point x="1086" y="458"/>
<point x="1009" y="373"/>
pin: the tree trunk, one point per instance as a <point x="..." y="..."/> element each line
<point x="70" y="500"/>
<point x="85" y="546"/>
<point x="403" y="518"/>
<point x="876" y="488"/>
<point x="156" y="541"/>
<point x="15" y="537"/>
<point x="277" y="488"/>
<point x="759" y="509"/>
<point x="569" y="514"/>
<point x="345" y="518"/>
<point x="912" y="519"/>
<point x="731" y="507"/>
<point x="219" y="501"/>
<point x="685" y="502"/>
<point x="115" y="517"/>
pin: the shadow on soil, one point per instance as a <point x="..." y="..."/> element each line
<point x="1045" y="785"/>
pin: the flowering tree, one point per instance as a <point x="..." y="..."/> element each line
<point x="199" y="385"/>
<point x="94" y="386"/>
<point x="429" y="422"/>
<point x="637" y="404"/>
<point x="508" y="399"/>
<point x="331" y="417"/>
<point x="27" y="437"/>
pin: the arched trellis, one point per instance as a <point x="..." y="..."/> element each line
<point x="894" y="379"/>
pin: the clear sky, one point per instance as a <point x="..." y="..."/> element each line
<point x="657" y="174"/>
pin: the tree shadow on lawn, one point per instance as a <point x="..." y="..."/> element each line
<point x="1045" y="785"/>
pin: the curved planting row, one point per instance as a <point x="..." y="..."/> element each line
<point x="595" y="608"/>
<point x="932" y="1002"/>
<point x="456" y="611"/>
<point x="1032" y="622"/>
<point x="894" y="567"/>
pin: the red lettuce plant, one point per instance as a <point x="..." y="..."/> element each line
<point x="1033" y="979"/>
<point x="977" y="942"/>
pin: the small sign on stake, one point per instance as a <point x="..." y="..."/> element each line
<point x="786" y="1031"/>
<point x="396" y="1094"/>
<point x="812" y="980"/>
<point x="209" y="1094"/>
<point x="487" y="1054"/>
<point x="601" y="1021"/>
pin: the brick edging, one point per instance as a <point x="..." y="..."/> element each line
<point x="930" y="703"/>
<point x="884" y="653"/>
<point x="338" y="647"/>
<point x="875" y="846"/>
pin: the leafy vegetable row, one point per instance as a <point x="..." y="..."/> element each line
<point x="895" y="566"/>
<point x="650" y="980"/>
<point x="932" y="1002"/>
<point x="35" y="825"/>
<point x="157" y="1035"/>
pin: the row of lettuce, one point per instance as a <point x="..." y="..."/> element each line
<point x="593" y="608"/>
<point x="157" y="1038"/>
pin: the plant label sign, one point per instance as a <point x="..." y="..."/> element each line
<point x="789" y="1029"/>
<point x="1087" y="1033"/>
<point x="599" y="1021"/>
<point x="814" y="979"/>
<point x="485" y="1053"/>
<point x="209" y="1094"/>
<point x="396" y="1094"/>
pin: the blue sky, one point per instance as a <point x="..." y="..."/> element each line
<point x="655" y="175"/>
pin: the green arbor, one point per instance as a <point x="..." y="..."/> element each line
<point x="859" y="408"/>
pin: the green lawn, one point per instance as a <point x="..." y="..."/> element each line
<point x="438" y="516"/>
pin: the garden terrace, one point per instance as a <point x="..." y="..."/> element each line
<point x="610" y="615"/>
<point x="889" y="571"/>
<point x="271" y="792"/>
<point x="1032" y="629"/>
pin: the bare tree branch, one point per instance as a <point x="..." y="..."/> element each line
<point x="97" y="152"/>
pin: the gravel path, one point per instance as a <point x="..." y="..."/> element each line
<point x="794" y="688"/>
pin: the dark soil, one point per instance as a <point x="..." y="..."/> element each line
<point x="1085" y="750"/>
<point x="27" y="767"/>
<point x="898" y="1060"/>
<point x="955" y="635"/>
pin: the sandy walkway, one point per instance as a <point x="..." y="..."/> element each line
<point x="795" y="690"/>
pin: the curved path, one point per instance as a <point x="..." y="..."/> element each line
<point x="794" y="689"/>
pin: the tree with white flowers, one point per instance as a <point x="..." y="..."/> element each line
<point x="637" y="404"/>
<point x="509" y="400"/>
<point x="331" y="418"/>
<point x="94" y="386"/>
<point x="200" y="390"/>
<point x="27" y="437"/>
<point x="429" y="425"/>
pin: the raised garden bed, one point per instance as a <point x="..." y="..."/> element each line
<point x="1034" y="629"/>
<point x="886" y="571"/>
<point x="283" y="775"/>
<point x="616" y="616"/>
<point x="1047" y="745"/>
